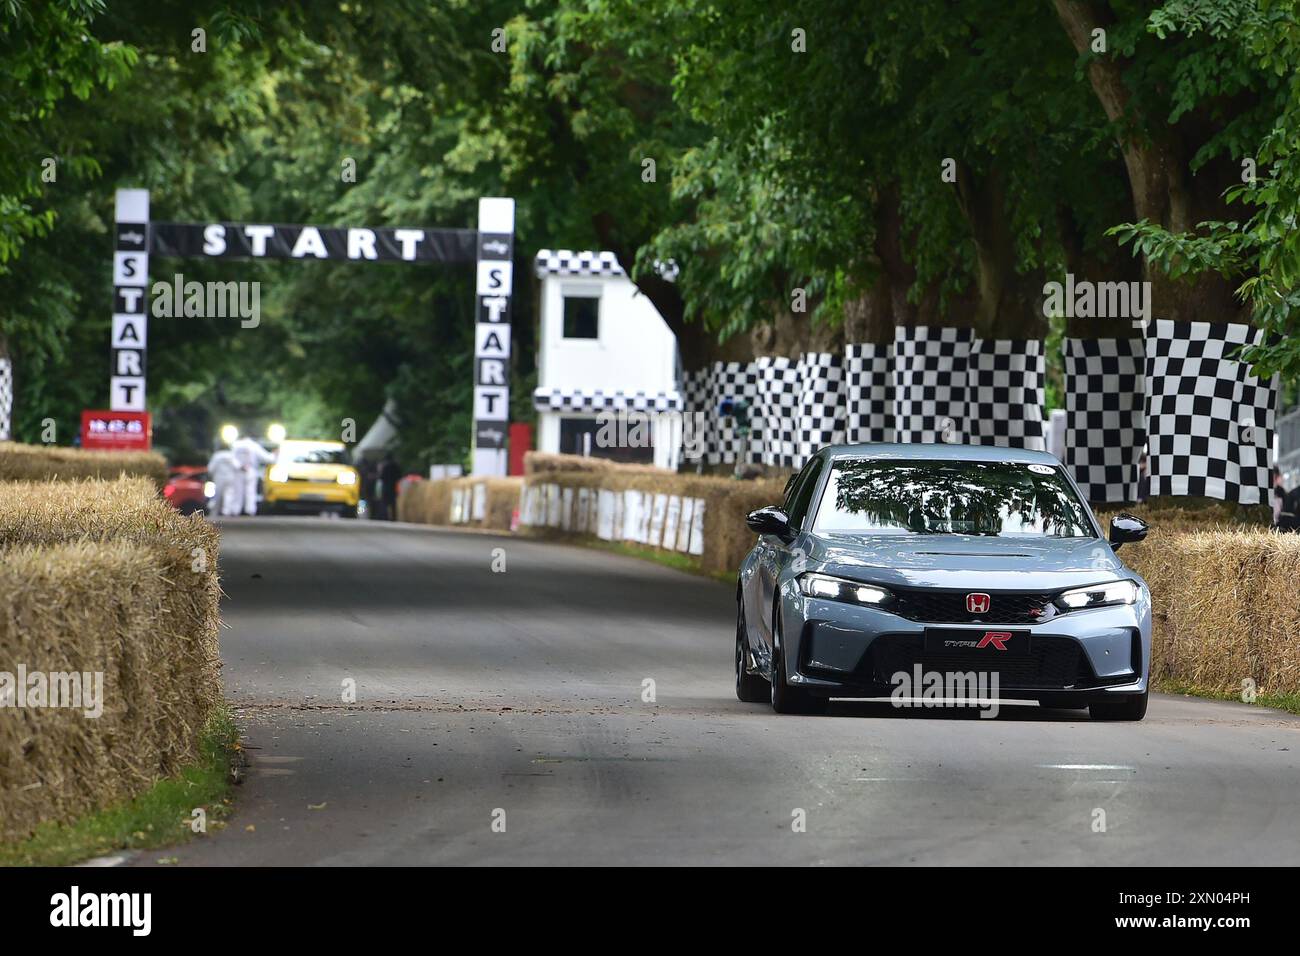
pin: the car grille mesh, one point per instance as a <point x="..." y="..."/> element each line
<point x="1052" y="663"/>
<point x="949" y="607"/>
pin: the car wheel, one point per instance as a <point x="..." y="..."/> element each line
<point x="1131" y="708"/>
<point x="787" y="699"/>
<point x="751" y="688"/>
<point x="349" y="511"/>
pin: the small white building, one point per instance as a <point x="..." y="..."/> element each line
<point x="607" y="364"/>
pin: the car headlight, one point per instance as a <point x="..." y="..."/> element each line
<point x="1098" y="595"/>
<point x="279" y="473"/>
<point x="209" y="489"/>
<point x="347" y="478"/>
<point x="838" y="589"/>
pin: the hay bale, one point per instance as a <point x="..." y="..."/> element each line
<point x="545" y="463"/>
<point x="52" y="463"/>
<point x="89" y="607"/>
<point x="106" y="568"/>
<point x="726" y="536"/>
<point x="425" y="502"/>
<point x="429" y="502"/>
<point x="1224" y="608"/>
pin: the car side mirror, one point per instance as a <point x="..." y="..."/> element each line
<point x="1125" y="528"/>
<point x="771" y="520"/>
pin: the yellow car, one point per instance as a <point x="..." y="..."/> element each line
<point x="311" y="476"/>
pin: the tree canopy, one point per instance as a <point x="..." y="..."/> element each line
<point x="892" y="163"/>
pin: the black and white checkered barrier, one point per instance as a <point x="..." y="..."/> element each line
<point x="6" y="398"/>
<point x="734" y="381"/>
<point x="869" y="392"/>
<point x="594" y="401"/>
<point x="821" y="405"/>
<point x="779" y="395"/>
<point x="567" y="262"/>
<point x="1209" y="420"/>
<point x="1005" y="381"/>
<point x="1104" y="416"/>
<point x="930" y="383"/>
<point x="960" y="389"/>
<point x="699" y="415"/>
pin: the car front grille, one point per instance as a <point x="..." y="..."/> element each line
<point x="949" y="607"/>
<point x="1055" y="663"/>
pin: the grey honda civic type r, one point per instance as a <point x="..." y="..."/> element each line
<point x="889" y="560"/>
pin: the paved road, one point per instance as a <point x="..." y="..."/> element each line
<point x="479" y="692"/>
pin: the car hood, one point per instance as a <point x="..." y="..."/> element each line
<point x="961" y="561"/>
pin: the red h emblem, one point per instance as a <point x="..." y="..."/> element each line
<point x="977" y="603"/>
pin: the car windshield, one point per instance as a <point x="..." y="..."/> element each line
<point x="323" y="455"/>
<point x="950" y="497"/>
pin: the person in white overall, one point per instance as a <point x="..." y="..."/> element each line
<point x="251" y="457"/>
<point x="227" y="477"/>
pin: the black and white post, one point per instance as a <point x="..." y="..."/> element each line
<point x="493" y="286"/>
<point x="126" y="384"/>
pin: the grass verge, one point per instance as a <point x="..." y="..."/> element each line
<point x="1287" y="702"/>
<point x="160" y="816"/>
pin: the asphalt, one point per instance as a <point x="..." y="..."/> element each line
<point x="501" y="717"/>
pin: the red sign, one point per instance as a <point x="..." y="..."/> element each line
<point x="116" y="431"/>
<point x="521" y="441"/>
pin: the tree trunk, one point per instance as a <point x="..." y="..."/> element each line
<point x="1164" y="190"/>
<point x="1009" y="304"/>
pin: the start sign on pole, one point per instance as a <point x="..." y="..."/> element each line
<point x="116" y="431"/>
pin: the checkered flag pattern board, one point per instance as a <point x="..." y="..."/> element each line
<point x="1004" y="393"/>
<point x="930" y="383"/>
<point x="592" y="401"/>
<point x="779" y="396"/>
<point x="1209" y="420"/>
<point x="699" y="419"/>
<point x="1104" y="419"/>
<point x="735" y="381"/>
<point x="566" y="262"/>
<point x="6" y="398"/>
<point x="820" y="419"/>
<point x="869" y="392"/>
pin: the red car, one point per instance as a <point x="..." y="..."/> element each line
<point x="186" y="489"/>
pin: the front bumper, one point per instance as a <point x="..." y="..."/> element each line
<point x="844" y="650"/>
<point x="321" y="494"/>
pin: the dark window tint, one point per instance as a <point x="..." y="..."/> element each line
<point x="320" y="456"/>
<point x="803" y="492"/>
<point x="581" y="317"/>
<point x="951" y="497"/>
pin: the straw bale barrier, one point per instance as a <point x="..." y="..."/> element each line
<point x="52" y="463"/>
<point x="490" y="503"/>
<point x="102" y="577"/>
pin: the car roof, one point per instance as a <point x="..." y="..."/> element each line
<point x="934" y="451"/>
